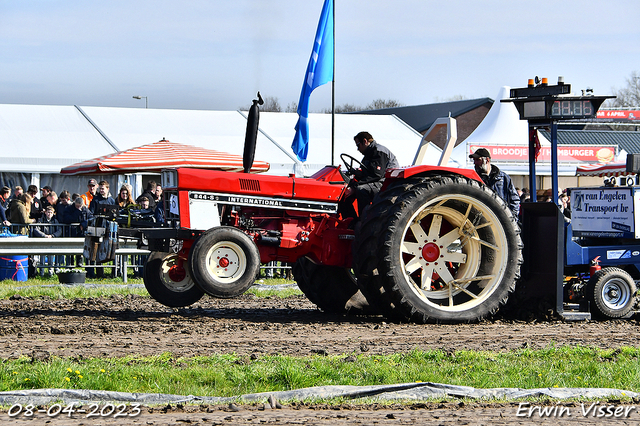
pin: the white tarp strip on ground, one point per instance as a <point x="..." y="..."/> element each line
<point x="399" y="392"/>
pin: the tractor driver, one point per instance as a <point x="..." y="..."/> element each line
<point x="367" y="181"/>
<point x="497" y="180"/>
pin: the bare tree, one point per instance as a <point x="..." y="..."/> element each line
<point x="383" y="103"/>
<point x="376" y="104"/>
<point x="453" y="98"/>
<point x="347" y="108"/>
<point x="628" y="96"/>
<point x="292" y="107"/>
<point x="271" y="104"/>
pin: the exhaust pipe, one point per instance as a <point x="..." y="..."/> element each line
<point x="251" y="135"/>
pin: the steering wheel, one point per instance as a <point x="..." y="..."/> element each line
<point x="349" y="161"/>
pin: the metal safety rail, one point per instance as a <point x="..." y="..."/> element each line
<point x="23" y="245"/>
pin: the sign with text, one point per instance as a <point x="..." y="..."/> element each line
<point x="619" y="114"/>
<point x="566" y="153"/>
<point x="604" y="212"/>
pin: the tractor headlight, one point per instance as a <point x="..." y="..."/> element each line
<point x="169" y="178"/>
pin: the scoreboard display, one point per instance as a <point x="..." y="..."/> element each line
<point x="545" y="103"/>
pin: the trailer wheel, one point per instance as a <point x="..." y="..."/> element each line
<point x="331" y="288"/>
<point x="168" y="282"/>
<point x="224" y="262"/>
<point x="612" y="292"/>
<point x="437" y="249"/>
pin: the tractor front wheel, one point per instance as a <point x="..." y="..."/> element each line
<point x="168" y="281"/>
<point x="224" y="262"/>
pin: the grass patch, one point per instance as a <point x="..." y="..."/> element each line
<point x="48" y="286"/>
<point x="229" y="375"/>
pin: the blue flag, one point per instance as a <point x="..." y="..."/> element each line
<point x="319" y="72"/>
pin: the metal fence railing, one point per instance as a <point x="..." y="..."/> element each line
<point x="49" y="254"/>
<point x="67" y="230"/>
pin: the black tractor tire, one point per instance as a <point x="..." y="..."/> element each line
<point x="612" y="293"/>
<point x="331" y="288"/>
<point x="169" y="284"/>
<point x="224" y="261"/>
<point x="439" y="249"/>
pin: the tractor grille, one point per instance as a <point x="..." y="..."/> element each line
<point x="167" y="206"/>
<point x="250" y="185"/>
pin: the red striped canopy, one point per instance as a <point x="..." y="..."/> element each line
<point x="602" y="170"/>
<point x="161" y="155"/>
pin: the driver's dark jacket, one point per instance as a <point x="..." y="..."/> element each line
<point x="377" y="159"/>
<point x="502" y="185"/>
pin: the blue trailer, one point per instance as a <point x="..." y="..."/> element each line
<point x="589" y="266"/>
<point x="602" y="249"/>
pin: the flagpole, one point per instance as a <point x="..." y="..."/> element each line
<point x="333" y="88"/>
<point x="318" y="73"/>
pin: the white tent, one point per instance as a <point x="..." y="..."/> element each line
<point x="388" y="130"/>
<point x="502" y="126"/>
<point x="225" y="131"/>
<point x="43" y="138"/>
<point x="39" y="140"/>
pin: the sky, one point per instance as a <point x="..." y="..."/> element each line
<point x="216" y="54"/>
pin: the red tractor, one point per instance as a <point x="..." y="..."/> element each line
<point x="435" y="245"/>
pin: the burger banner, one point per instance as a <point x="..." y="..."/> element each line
<point x="566" y="153"/>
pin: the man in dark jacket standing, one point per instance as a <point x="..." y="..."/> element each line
<point x="367" y="181"/>
<point x="496" y="179"/>
<point x="103" y="197"/>
<point x="36" y="205"/>
<point x="80" y="214"/>
<point x="5" y="192"/>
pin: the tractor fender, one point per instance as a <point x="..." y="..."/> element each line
<point x="393" y="175"/>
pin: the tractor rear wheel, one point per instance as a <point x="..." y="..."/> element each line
<point x="169" y="282"/>
<point x="331" y="288"/>
<point x="612" y="292"/>
<point x="224" y="262"/>
<point x="437" y="249"/>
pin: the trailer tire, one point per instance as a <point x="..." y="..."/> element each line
<point x="168" y="283"/>
<point x="437" y="249"/>
<point x="331" y="288"/>
<point x="224" y="262"/>
<point x="612" y="292"/>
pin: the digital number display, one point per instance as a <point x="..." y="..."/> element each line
<point x="534" y="109"/>
<point x="573" y="108"/>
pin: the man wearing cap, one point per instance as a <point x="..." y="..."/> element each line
<point x="497" y="180"/>
<point x="92" y="187"/>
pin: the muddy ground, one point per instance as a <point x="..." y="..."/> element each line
<point x="119" y="326"/>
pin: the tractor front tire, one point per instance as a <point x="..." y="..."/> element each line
<point x="612" y="292"/>
<point x="224" y="262"/>
<point x="331" y="288"/>
<point x="169" y="282"/>
<point x="437" y="249"/>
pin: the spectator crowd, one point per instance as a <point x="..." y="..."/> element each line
<point x="28" y="214"/>
<point x="53" y="215"/>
